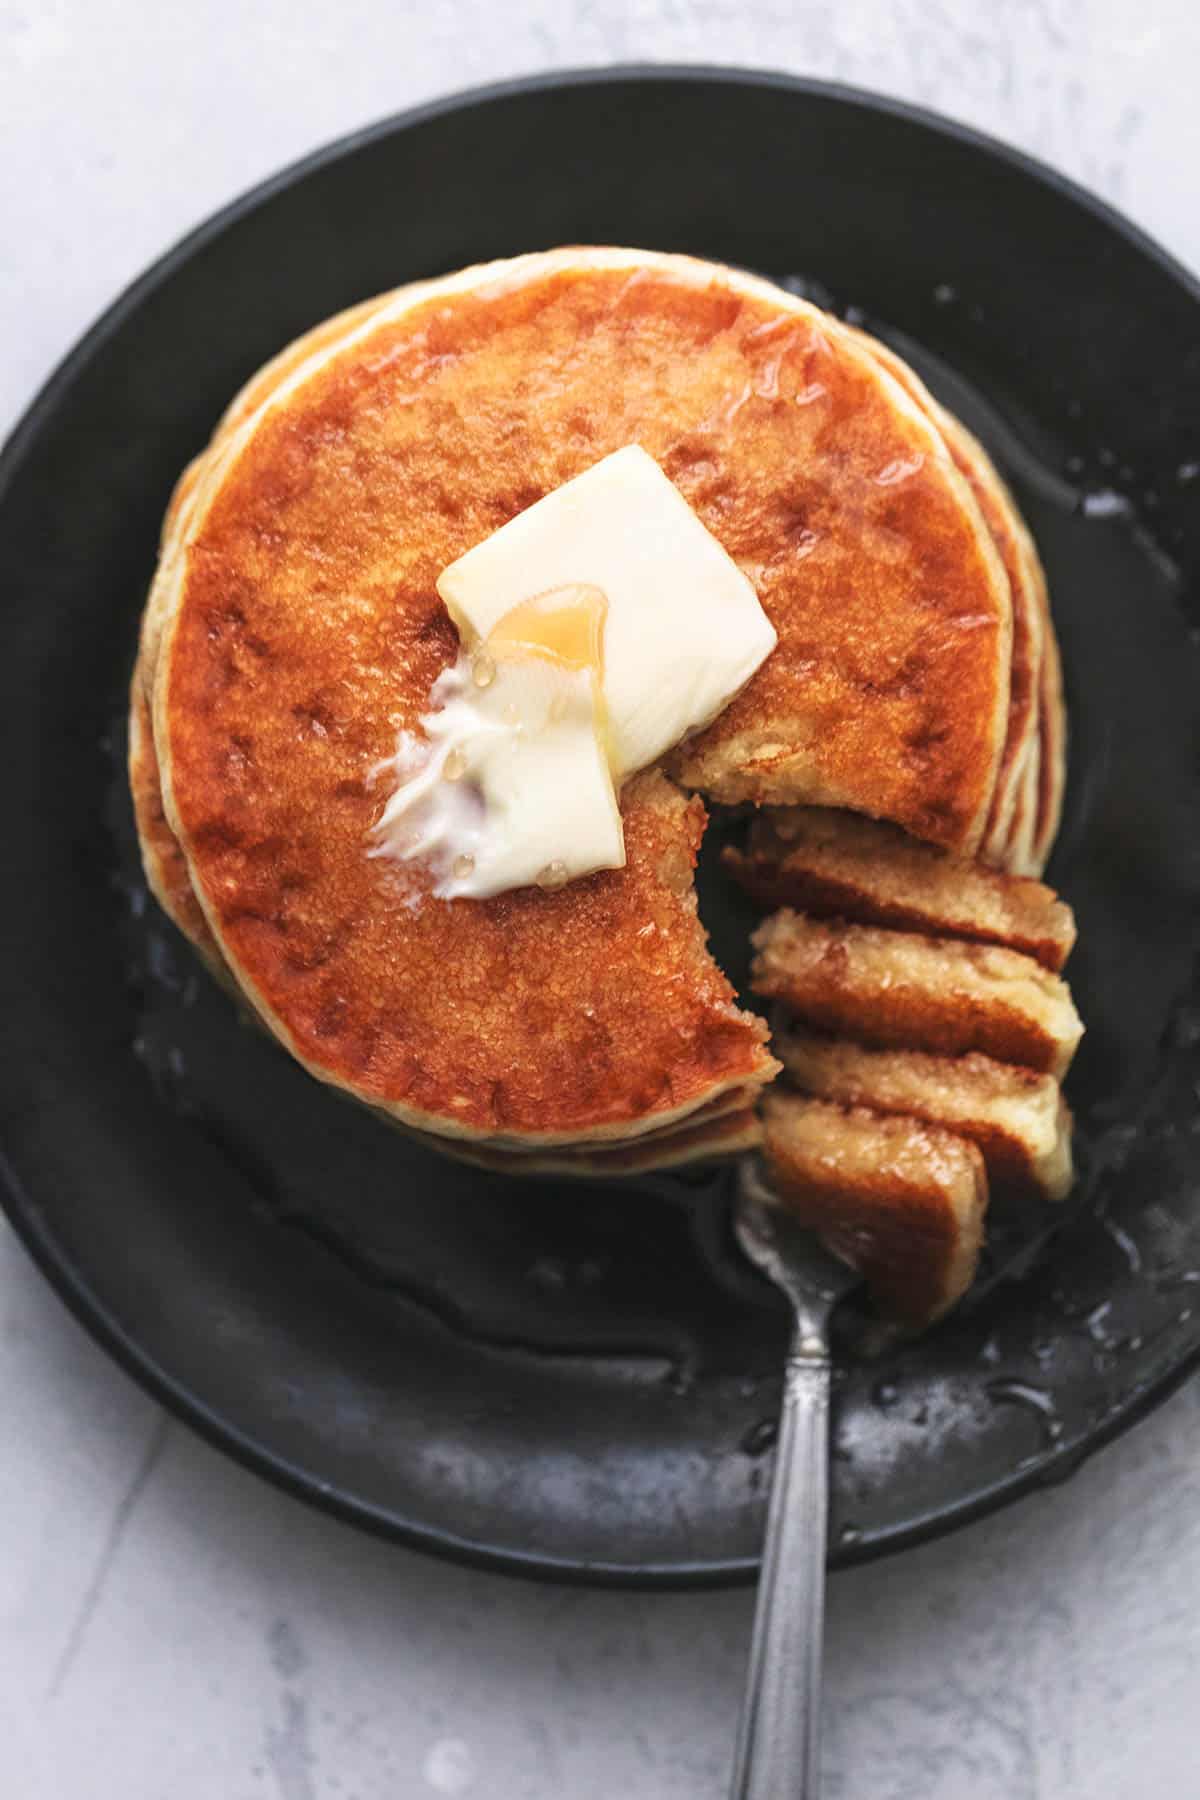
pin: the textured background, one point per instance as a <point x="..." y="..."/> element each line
<point x="169" y="1627"/>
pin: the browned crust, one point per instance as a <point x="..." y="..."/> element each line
<point x="834" y="865"/>
<point x="896" y="989"/>
<point x="900" y="1201"/>
<point x="1018" y="1118"/>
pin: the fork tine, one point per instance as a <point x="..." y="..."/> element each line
<point x="787" y="1252"/>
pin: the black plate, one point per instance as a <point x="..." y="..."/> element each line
<point x="581" y="1381"/>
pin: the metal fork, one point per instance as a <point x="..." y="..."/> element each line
<point x="778" y="1745"/>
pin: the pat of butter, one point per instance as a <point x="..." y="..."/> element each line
<point x="509" y="784"/>
<point x="684" y="629"/>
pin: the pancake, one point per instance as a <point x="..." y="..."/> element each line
<point x="1018" y="1119"/>
<point x="833" y="865"/>
<point x="894" y="988"/>
<point x="1019" y="851"/>
<point x="1004" y="527"/>
<point x="1021" y="564"/>
<point x="900" y="1201"/>
<point x="920" y="535"/>
<point x="725" y="1036"/>
<point x="724" y="1127"/>
<point x="708" y="1141"/>
<point x="1052" y="775"/>
<point x="162" y="860"/>
<point x="547" y="1041"/>
<point x="302" y="631"/>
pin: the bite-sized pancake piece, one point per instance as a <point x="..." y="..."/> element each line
<point x="1021" y="565"/>
<point x="1019" y="1119"/>
<point x="834" y="865"/>
<point x="900" y="1201"/>
<point x="936" y="994"/>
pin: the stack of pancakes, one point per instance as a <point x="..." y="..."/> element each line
<point x="924" y="1027"/>
<point x="293" y="630"/>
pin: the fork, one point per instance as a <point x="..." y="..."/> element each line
<point x="778" y="1745"/>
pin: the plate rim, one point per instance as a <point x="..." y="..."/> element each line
<point x="25" y="1216"/>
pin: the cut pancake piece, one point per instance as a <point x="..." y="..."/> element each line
<point x="836" y="865"/>
<point x="937" y="994"/>
<point x="901" y="1201"/>
<point x="1018" y="1118"/>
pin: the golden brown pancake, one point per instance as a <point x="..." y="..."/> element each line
<point x="900" y="1201"/>
<point x="834" y="865"/>
<point x="894" y="988"/>
<point x="997" y="510"/>
<point x="1018" y="1118"/>
<point x="919" y="557"/>
<point x="938" y="1260"/>
<point x="1006" y="529"/>
<point x="1021" y="565"/>
<point x="599" y="1018"/>
<point x="724" y="1127"/>
<point x="303" y="631"/>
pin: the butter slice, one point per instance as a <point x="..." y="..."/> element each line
<point x="684" y="628"/>
<point x="508" y="785"/>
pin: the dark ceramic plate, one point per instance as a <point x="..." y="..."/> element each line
<point x="581" y="1381"/>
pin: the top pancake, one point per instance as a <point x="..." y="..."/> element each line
<point x="302" y="630"/>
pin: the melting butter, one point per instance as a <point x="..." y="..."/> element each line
<point x="600" y="627"/>
<point x="508" y="784"/>
<point x="565" y="625"/>
<point x="683" y="629"/>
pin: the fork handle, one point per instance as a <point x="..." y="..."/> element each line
<point x="778" y="1746"/>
